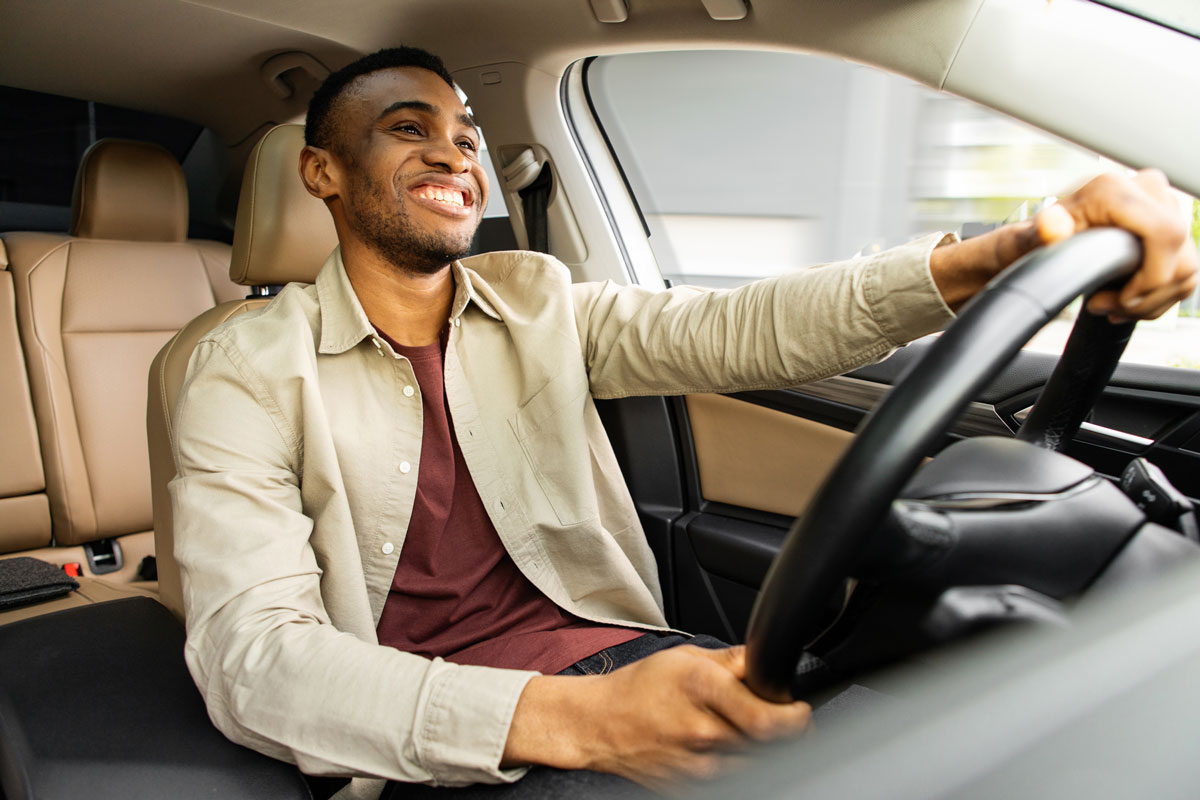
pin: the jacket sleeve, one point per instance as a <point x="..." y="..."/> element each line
<point x="803" y="326"/>
<point x="275" y="674"/>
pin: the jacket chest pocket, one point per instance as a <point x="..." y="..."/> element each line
<point x="553" y="436"/>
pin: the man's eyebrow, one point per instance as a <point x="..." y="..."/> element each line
<point x="427" y="108"/>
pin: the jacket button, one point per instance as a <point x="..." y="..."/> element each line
<point x="409" y="391"/>
<point x="404" y="467"/>
<point x="388" y="548"/>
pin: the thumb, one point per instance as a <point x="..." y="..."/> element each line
<point x="1054" y="224"/>
<point x="731" y="658"/>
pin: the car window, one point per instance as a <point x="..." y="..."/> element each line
<point x="42" y="138"/>
<point x="751" y="164"/>
<point x="1182" y="15"/>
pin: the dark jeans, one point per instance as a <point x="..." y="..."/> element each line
<point x="547" y="783"/>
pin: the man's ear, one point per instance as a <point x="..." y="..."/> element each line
<point x="319" y="172"/>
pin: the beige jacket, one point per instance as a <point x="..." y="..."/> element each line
<point x="299" y="442"/>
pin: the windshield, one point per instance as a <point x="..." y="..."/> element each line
<point x="1182" y="15"/>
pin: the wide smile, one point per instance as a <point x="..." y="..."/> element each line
<point x="451" y="201"/>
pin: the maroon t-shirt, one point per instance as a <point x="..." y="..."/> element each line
<point x="457" y="593"/>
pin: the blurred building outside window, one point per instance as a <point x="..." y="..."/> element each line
<point x="751" y="164"/>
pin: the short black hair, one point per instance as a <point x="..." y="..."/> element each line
<point x="318" y="131"/>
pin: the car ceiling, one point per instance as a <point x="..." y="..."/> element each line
<point x="1076" y="68"/>
<point x="201" y="60"/>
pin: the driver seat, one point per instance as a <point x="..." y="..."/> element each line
<point x="282" y="235"/>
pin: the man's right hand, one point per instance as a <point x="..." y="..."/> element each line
<point x="680" y="713"/>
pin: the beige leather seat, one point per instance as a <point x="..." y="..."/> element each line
<point x="282" y="235"/>
<point x="93" y="307"/>
<point x="24" y="507"/>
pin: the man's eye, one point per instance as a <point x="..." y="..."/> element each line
<point x="468" y="144"/>
<point x="406" y="127"/>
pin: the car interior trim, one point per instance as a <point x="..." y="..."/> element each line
<point x="1120" y="437"/>
<point x="742" y="450"/>
<point x="612" y="192"/>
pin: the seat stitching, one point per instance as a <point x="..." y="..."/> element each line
<point x="56" y="420"/>
<point x="253" y="203"/>
<point x="162" y="390"/>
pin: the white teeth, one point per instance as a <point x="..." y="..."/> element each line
<point x="442" y="195"/>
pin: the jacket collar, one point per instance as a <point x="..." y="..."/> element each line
<point x="344" y="323"/>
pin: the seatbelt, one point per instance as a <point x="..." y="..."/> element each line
<point x="535" y="199"/>
<point x="533" y="181"/>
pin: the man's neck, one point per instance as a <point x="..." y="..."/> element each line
<point x="410" y="307"/>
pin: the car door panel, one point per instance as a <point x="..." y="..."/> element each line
<point x="758" y="457"/>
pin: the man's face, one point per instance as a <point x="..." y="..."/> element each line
<point x="414" y="188"/>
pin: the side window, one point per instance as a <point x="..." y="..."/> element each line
<point x="751" y="164"/>
<point x="43" y="137"/>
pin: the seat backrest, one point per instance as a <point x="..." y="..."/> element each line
<point x="282" y="235"/>
<point x="24" y="508"/>
<point x="93" y="307"/>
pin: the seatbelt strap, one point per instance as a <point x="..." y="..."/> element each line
<point x="535" y="199"/>
<point x="533" y="182"/>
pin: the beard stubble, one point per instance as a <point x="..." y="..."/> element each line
<point x="393" y="235"/>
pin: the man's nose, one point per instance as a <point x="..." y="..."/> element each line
<point x="446" y="154"/>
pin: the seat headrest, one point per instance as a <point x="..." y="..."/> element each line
<point x="282" y="233"/>
<point x="129" y="190"/>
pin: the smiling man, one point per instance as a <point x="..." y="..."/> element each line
<point x="407" y="550"/>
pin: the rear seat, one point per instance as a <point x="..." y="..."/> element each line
<point x="92" y="309"/>
<point x="24" y="508"/>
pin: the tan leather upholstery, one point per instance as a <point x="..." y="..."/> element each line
<point x="129" y="190"/>
<point x="283" y="235"/>
<point x="756" y="457"/>
<point x="24" y="508"/>
<point x="91" y="312"/>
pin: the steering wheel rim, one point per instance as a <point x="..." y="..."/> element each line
<point x="821" y="548"/>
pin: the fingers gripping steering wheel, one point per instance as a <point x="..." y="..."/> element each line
<point x="824" y="545"/>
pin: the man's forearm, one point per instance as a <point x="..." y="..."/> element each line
<point x="960" y="270"/>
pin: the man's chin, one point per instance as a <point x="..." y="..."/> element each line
<point x="414" y="248"/>
<point x="425" y="257"/>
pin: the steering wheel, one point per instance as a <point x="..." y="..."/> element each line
<point x="826" y="543"/>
